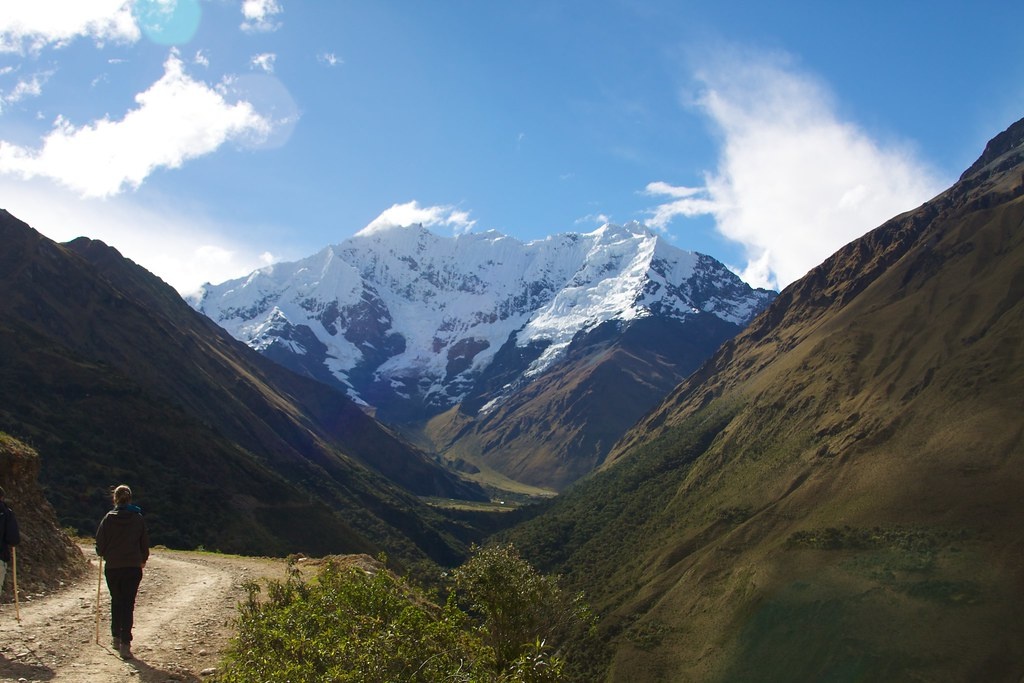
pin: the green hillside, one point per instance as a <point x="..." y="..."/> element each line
<point x="838" y="494"/>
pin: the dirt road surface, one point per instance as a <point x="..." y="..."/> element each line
<point x="183" y="620"/>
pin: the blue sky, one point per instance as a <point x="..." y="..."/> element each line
<point x="206" y="138"/>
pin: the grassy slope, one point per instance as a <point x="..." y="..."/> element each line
<point x="837" y="494"/>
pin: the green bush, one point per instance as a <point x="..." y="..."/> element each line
<point x="349" y="625"/>
<point x="521" y="611"/>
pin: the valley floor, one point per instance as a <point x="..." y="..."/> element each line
<point x="183" y="620"/>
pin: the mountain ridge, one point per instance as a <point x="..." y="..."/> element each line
<point x="109" y="374"/>
<point x="835" y="493"/>
<point x="405" y="312"/>
<point x="465" y="342"/>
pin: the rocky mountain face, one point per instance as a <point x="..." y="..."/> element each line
<point x="112" y="377"/>
<point x="555" y="429"/>
<point x="836" y="493"/>
<point x="494" y="335"/>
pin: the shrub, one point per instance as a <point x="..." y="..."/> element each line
<point x="347" y="626"/>
<point x="353" y="626"/>
<point x="524" y="615"/>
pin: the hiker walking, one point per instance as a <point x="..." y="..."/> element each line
<point x="10" y="536"/>
<point x="123" y="543"/>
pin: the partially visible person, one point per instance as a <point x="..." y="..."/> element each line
<point x="10" y="536"/>
<point x="123" y="543"/>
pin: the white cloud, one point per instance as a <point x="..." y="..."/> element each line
<point x="201" y="59"/>
<point x="328" y="58"/>
<point x="688" y="201"/>
<point x="794" y="181"/>
<point x="264" y="61"/>
<point x="259" y="15"/>
<point x="598" y="218"/>
<point x="177" y="119"/>
<point x="459" y="221"/>
<point x="411" y="213"/>
<point x="30" y="25"/>
<point x="180" y="244"/>
<point x="31" y="87"/>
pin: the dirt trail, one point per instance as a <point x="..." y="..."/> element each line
<point x="183" y="621"/>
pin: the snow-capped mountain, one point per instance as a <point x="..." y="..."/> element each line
<point x="400" y="315"/>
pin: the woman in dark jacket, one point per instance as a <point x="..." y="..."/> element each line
<point x="123" y="543"/>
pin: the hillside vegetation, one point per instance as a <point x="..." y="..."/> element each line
<point x="501" y="622"/>
<point x="112" y="378"/>
<point x="836" y="494"/>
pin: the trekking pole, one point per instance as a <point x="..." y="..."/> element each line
<point x="99" y="580"/>
<point x="14" y="573"/>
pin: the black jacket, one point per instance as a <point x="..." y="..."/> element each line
<point x="122" y="539"/>
<point x="9" y="529"/>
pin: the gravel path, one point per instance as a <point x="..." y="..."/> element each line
<point x="183" y="620"/>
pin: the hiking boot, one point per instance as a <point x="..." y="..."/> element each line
<point x="115" y="643"/>
<point x="125" y="650"/>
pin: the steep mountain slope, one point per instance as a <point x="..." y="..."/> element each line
<point x="837" y="493"/>
<point x="553" y="430"/>
<point x="413" y="324"/>
<point x="111" y="376"/>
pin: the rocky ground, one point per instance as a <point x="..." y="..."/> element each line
<point x="183" y="620"/>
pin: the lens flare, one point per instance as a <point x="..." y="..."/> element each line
<point x="168" y="22"/>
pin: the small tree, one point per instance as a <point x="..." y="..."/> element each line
<point x="525" y="616"/>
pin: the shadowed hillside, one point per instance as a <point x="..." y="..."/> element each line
<point x="112" y="377"/>
<point x="837" y="494"/>
<point x="560" y="426"/>
<point x="47" y="557"/>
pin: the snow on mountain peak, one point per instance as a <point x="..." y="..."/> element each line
<point x="422" y="315"/>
